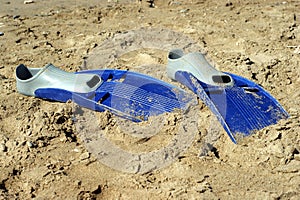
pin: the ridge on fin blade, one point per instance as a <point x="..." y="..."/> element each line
<point x="127" y="94"/>
<point x="240" y="105"/>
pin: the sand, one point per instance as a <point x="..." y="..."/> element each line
<point x="49" y="151"/>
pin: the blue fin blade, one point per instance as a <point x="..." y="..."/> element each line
<point x="139" y="95"/>
<point x="53" y="94"/>
<point x="127" y="94"/>
<point x="241" y="109"/>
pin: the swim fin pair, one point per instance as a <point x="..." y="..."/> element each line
<point x="240" y="105"/>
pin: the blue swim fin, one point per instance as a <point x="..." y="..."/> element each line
<point x="127" y="94"/>
<point x="241" y="106"/>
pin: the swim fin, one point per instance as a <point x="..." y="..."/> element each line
<point x="241" y="106"/>
<point x="127" y="94"/>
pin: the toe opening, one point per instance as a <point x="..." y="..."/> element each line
<point x="23" y="73"/>
<point x="175" y="54"/>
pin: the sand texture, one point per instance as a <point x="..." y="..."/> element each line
<point x="50" y="150"/>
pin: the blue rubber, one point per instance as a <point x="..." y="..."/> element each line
<point x="127" y="94"/>
<point x="241" y="109"/>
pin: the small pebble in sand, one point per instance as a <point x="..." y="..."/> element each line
<point x="1" y="33"/>
<point x="297" y="50"/>
<point x="29" y="144"/>
<point x="184" y="10"/>
<point x="28" y="1"/>
<point x="84" y="156"/>
<point x="45" y="34"/>
<point x="3" y="148"/>
<point x="76" y="150"/>
<point x="16" y="16"/>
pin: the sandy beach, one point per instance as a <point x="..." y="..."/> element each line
<point x="46" y="151"/>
